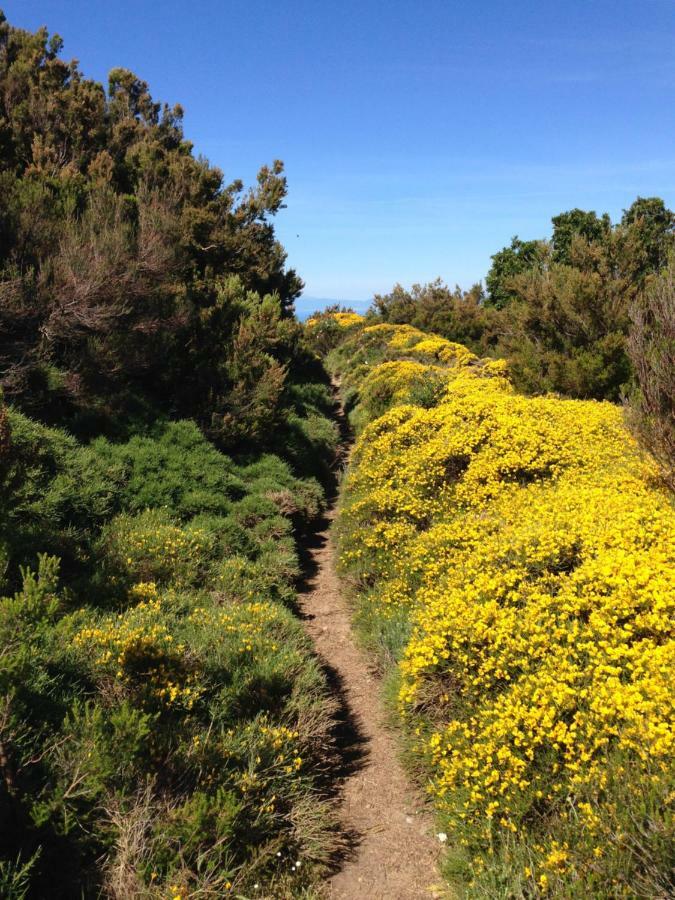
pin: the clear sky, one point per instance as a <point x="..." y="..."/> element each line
<point x="418" y="137"/>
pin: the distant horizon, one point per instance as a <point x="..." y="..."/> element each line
<point x="305" y="305"/>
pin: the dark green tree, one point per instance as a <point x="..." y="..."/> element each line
<point x="115" y="240"/>
<point x="577" y="223"/>
<point x="518" y="257"/>
<point x="651" y="225"/>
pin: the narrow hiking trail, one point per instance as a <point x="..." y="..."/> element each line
<point x="394" y="850"/>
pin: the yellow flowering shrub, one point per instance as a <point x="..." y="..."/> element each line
<point x="342" y="319"/>
<point x="248" y="628"/>
<point x="444" y="351"/>
<point x="385" y="365"/>
<point x="325" y="330"/>
<point x="139" y="651"/>
<point x="396" y="381"/>
<point x="373" y="344"/>
<point x="525" y="560"/>
<point x="151" y="547"/>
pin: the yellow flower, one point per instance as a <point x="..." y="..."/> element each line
<point x="526" y="548"/>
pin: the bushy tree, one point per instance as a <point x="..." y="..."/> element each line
<point x="574" y="224"/>
<point x="566" y="333"/>
<point x="518" y="257"/>
<point x="564" y="305"/>
<point x="651" y="225"/>
<point x="115" y="241"/>
<point x="651" y="346"/>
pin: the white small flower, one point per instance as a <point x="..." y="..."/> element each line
<point x="297" y="864"/>
<point x="442" y="837"/>
<point x="278" y="852"/>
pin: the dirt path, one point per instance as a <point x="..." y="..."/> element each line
<point x="394" y="848"/>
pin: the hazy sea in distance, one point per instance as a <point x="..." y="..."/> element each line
<point x="305" y="306"/>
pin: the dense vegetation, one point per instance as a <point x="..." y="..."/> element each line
<point x="165" y="441"/>
<point x="515" y="572"/>
<point x="558" y="309"/>
<point x="164" y="727"/>
<point x="133" y="280"/>
<point x="588" y="314"/>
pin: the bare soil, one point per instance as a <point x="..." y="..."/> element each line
<point x="393" y="850"/>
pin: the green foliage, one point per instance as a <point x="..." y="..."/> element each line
<point x="177" y="468"/>
<point x="576" y="224"/>
<point x="310" y="435"/>
<point x="566" y="323"/>
<point x="120" y="250"/>
<point x="149" y="546"/>
<point x="15" y="878"/>
<point x="558" y="310"/>
<point x="25" y="620"/>
<point x="519" y="257"/>
<point x="652" y="351"/>
<point x="178" y="716"/>
<point x="205" y="824"/>
<point x="163" y="722"/>
<point x="652" y="226"/>
<point x="56" y="494"/>
<point x="461" y="316"/>
<point x="568" y="333"/>
<point x="61" y="497"/>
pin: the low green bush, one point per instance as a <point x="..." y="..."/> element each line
<point x="150" y="546"/>
<point x="176" y="468"/>
<point x="162" y="712"/>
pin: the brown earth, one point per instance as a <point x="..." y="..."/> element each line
<point x="393" y="849"/>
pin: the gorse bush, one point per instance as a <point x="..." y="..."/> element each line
<point x="164" y="726"/>
<point x="326" y="329"/>
<point x="149" y="547"/>
<point x="517" y="564"/>
<point x="167" y="732"/>
<point x="59" y="494"/>
<point x="176" y="468"/>
<point x="381" y="365"/>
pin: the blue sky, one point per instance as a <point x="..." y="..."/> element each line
<point x="418" y="137"/>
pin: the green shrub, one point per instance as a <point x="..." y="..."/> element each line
<point x="230" y="537"/>
<point x="198" y="835"/>
<point x="150" y="546"/>
<point x="311" y="397"/>
<point x="238" y="578"/>
<point x="177" y="468"/>
<point x="15" y="876"/>
<point x="56" y="495"/>
<point x="651" y="346"/>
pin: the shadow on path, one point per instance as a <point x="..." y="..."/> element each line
<point x="390" y="852"/>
